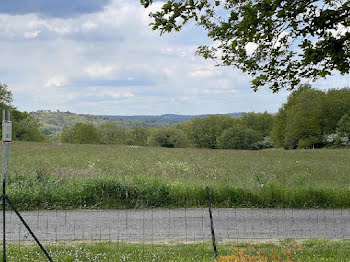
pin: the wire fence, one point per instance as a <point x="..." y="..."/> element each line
<point x="180" y="225"/>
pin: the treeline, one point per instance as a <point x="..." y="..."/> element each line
<point x="310" y="118"/>
<point x="106" y="133"/>
<point x="250" y="131"/>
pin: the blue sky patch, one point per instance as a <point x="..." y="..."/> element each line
<point x="53" y="8"/>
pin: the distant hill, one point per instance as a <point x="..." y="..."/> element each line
<point x="161" y="120"/>
<point x="53" y="121"/>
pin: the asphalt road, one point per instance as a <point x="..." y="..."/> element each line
<point x="185" y="225"/>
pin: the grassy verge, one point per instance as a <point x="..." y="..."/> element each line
<point x="48" y="176"/>
<point x="111" y="251"/>
<point x="109" y="193"/>
<point x="312" y="250"/>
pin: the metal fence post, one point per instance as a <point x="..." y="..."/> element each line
<point x="3" y="192"/>
<point x="211" y="222"/>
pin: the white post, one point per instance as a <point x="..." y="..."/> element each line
<point x="8" y="153"/>
<point x="2" y="149"/>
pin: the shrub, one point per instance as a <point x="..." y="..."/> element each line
<point x="27" y="129"/>
<point x="168" y="137"/>
<point x="138" y="136"/>
<point x="204" y="132"/>
<point x="343" y="130"/>
<point x="80" y="133"/>
<point x="239" y="138"/>
<point x="111" y="133"/>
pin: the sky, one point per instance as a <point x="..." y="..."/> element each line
<point x="102" y="57"/>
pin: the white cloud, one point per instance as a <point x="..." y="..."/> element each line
<point x="31" y="35"/>
<point x="202" y="73"/>
<point x="208" y="71"/>
<point x="219" y="91"/>
<point x="55" y="81"/>
<point x="98" y="70"/>
<point x="88" y="25"/>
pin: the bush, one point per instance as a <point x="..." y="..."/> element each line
<point x="308" y="142"/>
<point x="138" y="136"/>
<point x="80" y="133"/>
<point x="111" y="133"/>
<point x="343" y="128"/>
<point x="204" y="132"/>
<point x="168" y="137"/>
<point x="27" y="129"/>
<point x="239" y="138"/>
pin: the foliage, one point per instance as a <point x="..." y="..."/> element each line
<point x="343" y="128"/>
<point x="5" y="95"/>
<point x="309" y="117"/>
<point x="138" y="136"/>
<point x="336" y="104"/>
<point x="204" y="132"/>
<point x="111" y="133"/>
<point x="27" y="128"/>
<point x="278" y="42"/>
<point x="343" y="131"/>
<point x="259" y="122"/>
<point x="239" y="138"/>
<point x="66" y="135"/>
<point x="80" y="133"/>
<point x="168" y="137"/>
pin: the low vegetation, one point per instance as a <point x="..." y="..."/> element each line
<point x="286" y="250"/>
<point x="290" y="251"/>
<point x="47" y="176"/>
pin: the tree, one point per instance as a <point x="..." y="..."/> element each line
<point x="27" y="129"/>
<point x="278" y="42"/>
<point x="111" y="133"/>
<point x="304" y="123"/>
<point x="337" y="104"/>
<point x="239" y="138"/>
<point x="260" y="122"/>
<point x="203" y="132"/>
<point x="344" y="126"/>
<point x="5" y="95"/>
<point x="80" y="133"/>
<point x="299" y="121"/>
<point x="138" y="136"/>
<point x="343" y="131"/>
<point x="168" y="137"/>
<point x="66" y="135"/>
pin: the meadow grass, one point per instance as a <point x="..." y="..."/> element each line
<point x="49" y="176"/>
<point x="311" y="250"/>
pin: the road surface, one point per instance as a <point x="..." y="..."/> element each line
<point x="184" y="225"/>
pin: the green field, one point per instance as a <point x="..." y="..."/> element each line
<point x="47" y="175"/>
<point x="312" y="250"/>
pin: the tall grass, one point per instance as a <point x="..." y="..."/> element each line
<point x="48" y="176"/>
<point x="113" y="193"/>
